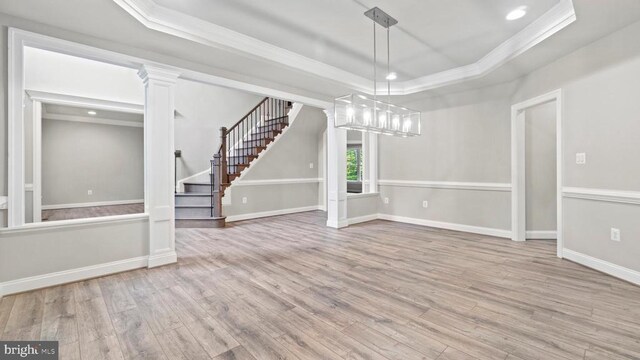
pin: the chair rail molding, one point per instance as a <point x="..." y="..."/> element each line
<point x="457" y="185"/>
<point x="160" y="18"/>
<point x="615" y="196"/>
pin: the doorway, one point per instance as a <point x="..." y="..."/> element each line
<point x="530" y="146"/>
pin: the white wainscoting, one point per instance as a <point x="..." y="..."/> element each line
<point x="457" y="185"/>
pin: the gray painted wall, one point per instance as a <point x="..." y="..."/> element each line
<point x="466" y="137"/>
<point x="289" y="158"/>
<point x="540" y="167"/>
<point x="77" y="157"/>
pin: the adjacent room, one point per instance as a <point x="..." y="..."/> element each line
<point x="439" y="180"/>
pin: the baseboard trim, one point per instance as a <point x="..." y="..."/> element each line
<point x="449" y="226"/>
<point x="542" y="235"/>
<point x="90" y="204"/>
<point x="169" y="257"/>
<point x="262" y="214"/>
<point x="71" y="275"/>
<point x="361" y="219"/>
<point x="337" y="224"/>
<point x="606" y="267"/>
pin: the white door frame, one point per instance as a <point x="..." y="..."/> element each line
<point x="518" y="173"/>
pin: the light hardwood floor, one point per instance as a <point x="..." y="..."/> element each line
<point x="91" y="212"/>
<point x="290" y="288"/>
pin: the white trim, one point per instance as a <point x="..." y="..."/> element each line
<point x="90" y="204"/>
<point x="176" y="23"/>
<point x="66" y="224"/>
<point x="83" y="102"/>
<point x="71" y="275"/>
<point x="37" y="161"/>
<point x="449" y="226"/>
<point x="362" y="195"/>
<point x="28" y="187"/>
<point x="163" y="258"/>
<point x="361" y="219"/>
<point x="606" y="267"/>
<point x="615" y="196"/>
<point x="277" y="182"/>
<point x="262" y="214"/>
<point x="485" y="186"/>
<point x="518" y="175"/>
<point x="542" y="234"/>
<point x="15" y="130"/>
<point x="91" y="120"/>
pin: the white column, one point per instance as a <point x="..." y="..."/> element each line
<point x="159" y="109"/>
<point x="336" y="174"/>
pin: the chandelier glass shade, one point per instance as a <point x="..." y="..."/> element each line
<point x="359" y="112"/>
<point x="369" y="114"/>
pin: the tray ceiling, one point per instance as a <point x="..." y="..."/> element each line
<point x="436" y="43"/>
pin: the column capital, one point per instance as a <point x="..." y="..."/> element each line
<point x="153" y="72"/>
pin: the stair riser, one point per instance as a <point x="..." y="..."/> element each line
<point x="248" y="151"/>
<point x="236" y="169"/>
<point x="193" y="200"/>
<point x="187" y="213"/>
<point x="256" y="142"/>
<point x="239" y="160"/>
<point x="197" y="188"/>
<point x="271" y="127"/>
<point x="265" y="135"/>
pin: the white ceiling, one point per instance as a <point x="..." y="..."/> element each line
<point x="105" y="24"/>
<point x="431" y="36"/>
<point x="72" y="112"/>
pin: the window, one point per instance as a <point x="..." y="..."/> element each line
<point x="354" y="163"/>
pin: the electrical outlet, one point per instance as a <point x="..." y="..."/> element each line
<point x="386" y="200"/>
<point x="425" y="204"/>
<point x="89" y="192"/>
<point x="310" y="165"/>
<point x="581" y="158"/>
<point x="615" y="234"/>
<point x="244" y="200"/>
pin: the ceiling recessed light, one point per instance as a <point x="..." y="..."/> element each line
<point x="517" y="13"/>
<point x="91" y="112"/>
<point x="392" y="76"/>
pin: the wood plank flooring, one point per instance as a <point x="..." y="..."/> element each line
<point x="91" y="212"/>
<point x="290" y="288"/>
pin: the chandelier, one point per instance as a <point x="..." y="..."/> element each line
<point x="363" y="113"/>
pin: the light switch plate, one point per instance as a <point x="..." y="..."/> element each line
<point x="425" y="204"/>
<point x="89" y="192"/>
<point x="310" y="165"/>
<point x="386" y="200"/>
<point x="581" y="158"/>
<point x="244" y="200"/>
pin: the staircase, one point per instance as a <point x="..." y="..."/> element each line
<point x="201" y="203"/>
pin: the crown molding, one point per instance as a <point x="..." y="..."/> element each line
<point x="160" y="18"/>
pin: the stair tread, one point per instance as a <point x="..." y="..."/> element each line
<point x="193" y="206"/>
<point x="188" y="194"/>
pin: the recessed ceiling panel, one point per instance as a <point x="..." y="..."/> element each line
<point x="432" y="35"/>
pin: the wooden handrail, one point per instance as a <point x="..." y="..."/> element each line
<point x="244" y="117"/>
